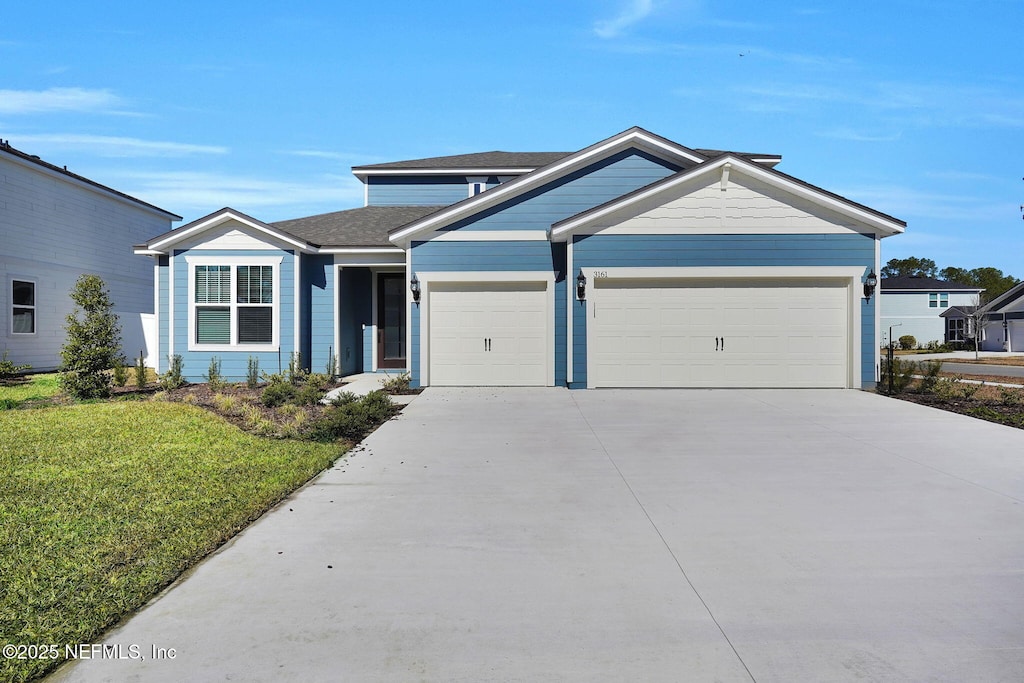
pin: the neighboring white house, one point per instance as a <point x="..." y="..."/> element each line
<point x="913" y="305"/>
<point x="54" y="227"/>
<point x="1003" y="329"/>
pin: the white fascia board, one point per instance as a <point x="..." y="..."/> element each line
<point x="523" y="184"/>
<point x="360" y="250"/>
<point x="487" y="236"/>
<point x="220" y="218"/>
<point x="497" y="170"/>
<point x="594" y="217"/>
<point x="144" y="251"/>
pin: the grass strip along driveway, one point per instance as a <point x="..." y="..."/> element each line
<point x="104" y="504"/>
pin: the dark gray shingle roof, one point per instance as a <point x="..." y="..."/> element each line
<point x="524" y="160"/>
<point x="364" y="227"/>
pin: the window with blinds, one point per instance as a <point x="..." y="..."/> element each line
<point x="245" y="318"/>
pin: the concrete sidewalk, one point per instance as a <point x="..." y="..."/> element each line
<point x="549" y="535"/>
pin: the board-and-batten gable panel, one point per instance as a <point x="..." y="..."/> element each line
<point x="230" y="235"/>
<point x="571" y="194"/>
<point x="747" y="204"/>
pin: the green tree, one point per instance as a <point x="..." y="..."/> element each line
<point x="992" y="280"/>
<point x="93" y="342"/>
<point x="923" y="267"/>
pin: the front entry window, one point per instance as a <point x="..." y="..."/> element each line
<point x="391" y="320"/>
<point x="234" y="305"/>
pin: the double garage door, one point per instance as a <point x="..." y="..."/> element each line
<point x="648" y="333"/>
<point x="489" y="334"/>
<point x="747" y="333"/>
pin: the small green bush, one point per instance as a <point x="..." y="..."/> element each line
<point x="1011" y="396"/>
<point x="252" y="377"/>
<point x="141" y="374"/>
<point x="902" y="375"/>
<point x="92" y="342"/>
<point x="8" y="369"/>
<point x="319" y="380"/>
<point x="908" y="342"/>
<point x="172" y="379"/>
<point x="929" y="372"/>
<point x="308" y="395"/>
<point x="277" y="393"/>
<point x="397" y="384"/>
<point x="295" y="373"/>
<point x="331" y="370"/>
<point x="352" y="418"/>
<point x="120" y="372"/>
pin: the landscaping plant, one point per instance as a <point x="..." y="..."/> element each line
<point x="172" y="379"/>
<point x="141" y="375"/>
<point x="252" y="377"/>
<point x="93" y="340"/>
<point x="8" y="369"/>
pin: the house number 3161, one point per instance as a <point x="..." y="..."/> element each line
<point x="600" y="274"/>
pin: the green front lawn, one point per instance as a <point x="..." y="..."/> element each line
<point x="20" y="390"/>
<point x="104" y="504"/>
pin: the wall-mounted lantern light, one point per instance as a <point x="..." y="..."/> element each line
<point x="869" y="284"/>
<point x="581" y="286"/>
<point x="414" y="287"/>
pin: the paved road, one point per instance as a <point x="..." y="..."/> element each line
<point x="979" y="369"/>
<point x="549" y="535"/>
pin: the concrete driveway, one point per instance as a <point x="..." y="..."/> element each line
<point x="543" y="534"/>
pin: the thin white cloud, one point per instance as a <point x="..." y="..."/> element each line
<point x="109" y="146"/>
<point x="197" y="193"/>
<point x="81" y="100"/>
<point x="846" y="133"/>
<point x="633" y="12"/>
<point x="318" y="154"/>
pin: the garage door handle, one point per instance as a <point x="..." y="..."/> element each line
<point x="487" y="344"/>
<point x="723" y="343"/>
<point x="717" y="342"/>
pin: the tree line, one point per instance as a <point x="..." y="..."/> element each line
<point x="992" y="280"/>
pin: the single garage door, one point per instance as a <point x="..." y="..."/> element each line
<point x="749" y="333"/>
<point x="488" y="334"/>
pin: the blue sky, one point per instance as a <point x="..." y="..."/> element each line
<point x="913" y="108"/>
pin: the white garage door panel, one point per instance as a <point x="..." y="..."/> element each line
<point x="776" y="334"/>
<point x="512" y="317"/>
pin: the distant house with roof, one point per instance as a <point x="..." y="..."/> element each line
<point x="55" y="226"/>
<point x="1003" y="322"/>
<point x="914" y="305"/>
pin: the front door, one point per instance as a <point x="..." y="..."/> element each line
<point x="391" y="320"/>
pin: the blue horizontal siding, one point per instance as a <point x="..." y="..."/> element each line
<point x="418" y="190"/>
<point x="316" y="326"/>
<point x="572" y="194"/>
<point x="481" y="256"/>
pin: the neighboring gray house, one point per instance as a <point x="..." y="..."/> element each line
<point x="634" y="262"/>
<point x="914" y="305"/>
<point x="54" y="227"/>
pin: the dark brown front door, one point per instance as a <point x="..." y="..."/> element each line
<point x="391" y="320"/>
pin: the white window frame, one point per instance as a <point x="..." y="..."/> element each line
<point x="234" y="262"/>
<point x="938" y="300"/>
<point x="477" y="184"/>
<point x="34" y="307"/>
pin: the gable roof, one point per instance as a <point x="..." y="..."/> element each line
<point x="477" y="162"/>
<point x="958" y="312"/>
<point x="882" y="222"/>
<point x="635" y="137"/>
<point x="367" y="226"/>
<point x="31" y="159"/>
<point x="918" y="282"/>
<point x="1006" y="298"/>
<point x="163" y="244"/>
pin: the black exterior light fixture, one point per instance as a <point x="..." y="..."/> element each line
<point x="414" y="287"/>
<point x="581" y="286"/>
<point x="869" y="284"/>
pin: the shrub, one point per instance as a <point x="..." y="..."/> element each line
<point x="8" y="369"/>
<point x="929" y="371"/>
<point x="1011" y="396"/>
<point x="308" y="395"/>
<point x="93" y="342"/>
<point x="902" y="375"/>
<point x="252" y="377"/>
<point x="213" y="376"/>
<point x="226" y="403"/>
<point x="331" y="370"/>
<point x="344" y="398"/>
<point x="141" y="374"/>
<point x="277" y="393"/>
<point x="352" y="418"/>
<point x="908" y="342"/>
<point x="120" y="372"/>
<point x="398" y="384"/>
<point x="172" y="379"/>
<point x="295" y="373"/>
<point x="319" y="380"/>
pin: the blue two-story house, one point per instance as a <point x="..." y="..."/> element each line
<point x="635" y="262"/>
